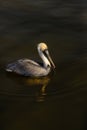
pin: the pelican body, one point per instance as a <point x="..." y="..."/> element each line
<point x="31" y="68"/>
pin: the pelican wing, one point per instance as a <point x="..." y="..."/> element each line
<point x="27" y="67"/>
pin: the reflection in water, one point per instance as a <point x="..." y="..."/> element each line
<point x="40" y="96"/>
<point x="39" y="84"/>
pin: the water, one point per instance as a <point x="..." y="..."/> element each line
<point x="54" y="102"/>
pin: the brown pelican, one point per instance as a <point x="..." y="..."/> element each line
<point x="31" y="68"/>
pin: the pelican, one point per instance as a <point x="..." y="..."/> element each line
<point x="27" y="67"/>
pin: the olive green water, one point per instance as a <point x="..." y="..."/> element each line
<point x="55" y="102"/>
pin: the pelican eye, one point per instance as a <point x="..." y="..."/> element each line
<point x="48" y="66"/>
<point x="45" y="52"/>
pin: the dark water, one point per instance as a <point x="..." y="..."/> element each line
<point x="54" y="102"/>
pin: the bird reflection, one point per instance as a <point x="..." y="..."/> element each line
<point x="28" y="84"/>
<point x="43" y="82"/>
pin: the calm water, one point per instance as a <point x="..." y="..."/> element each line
<point x="55" y="102"/>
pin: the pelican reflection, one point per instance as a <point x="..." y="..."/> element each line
<point x="30" y="87"/>
<point x="39" y="82"/>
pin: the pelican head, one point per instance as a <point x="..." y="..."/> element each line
<point x="44" y="53"/>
